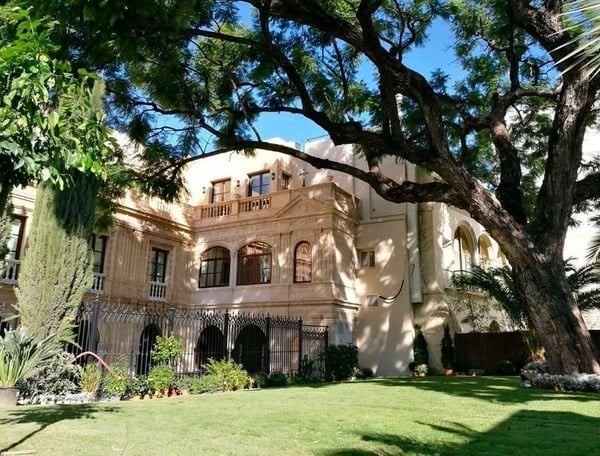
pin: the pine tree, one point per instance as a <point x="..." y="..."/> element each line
<point x="57" y="268"/>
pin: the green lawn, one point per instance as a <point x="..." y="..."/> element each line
<point x="434" y="415"/>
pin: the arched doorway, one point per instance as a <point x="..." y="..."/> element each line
<point x="210" y="346"/>
<point x="144" y="357"/>
<point x="250" y="349"/>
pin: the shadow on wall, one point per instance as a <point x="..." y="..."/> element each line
<point x="525" y="432"/>
<point x="44" y="417"/>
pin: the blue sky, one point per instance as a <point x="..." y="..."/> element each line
<point x="437" y="53"/>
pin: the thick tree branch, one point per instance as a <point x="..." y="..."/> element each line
<point x="587" y="189"/>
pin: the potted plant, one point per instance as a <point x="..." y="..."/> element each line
<point x="447" y="352"/>
<point x="20" y="357"/>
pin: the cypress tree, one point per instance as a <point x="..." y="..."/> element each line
<point x="57" y="268"/>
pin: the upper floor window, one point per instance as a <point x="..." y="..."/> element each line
<point x="286" y="179"/>
<point x="254" y="264"/>
<point x="484" y="247"/>
<point x="214" y="268"/>
<point x="15" y="240"/>
<point x="366" y="258"/>
<point x="158" y="265"/>
<point x="99" y="249"/>
<point x="303" y="263"/>
<point x="463" y="250"/>
<point x="259" y="184"/>
<point x="221" y="191"/>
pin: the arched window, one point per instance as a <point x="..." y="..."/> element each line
<point x="214" y="268"/>
<point x="485" y="248"/>
<point x="463" y="250"/>
<point x="254" y="264"/>
<point x="144" y="354"/>
<point x="303" y="263"/>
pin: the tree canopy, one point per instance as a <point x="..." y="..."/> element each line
<point x="503" y="140"/>
<point x="49" y="117"/>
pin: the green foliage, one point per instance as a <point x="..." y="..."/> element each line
<point x="91" y="379"/>
<point x="278" y="379"/>
<point x="21" y="355"/>
<point x="205" y="384"/>
<point x="50" y="291"/>
<point x="59" y="376"/>
<point x="117" y="380"/>
<point x="420" y="349"/>
<point x="364" y="373"/>
<point x="161" y="378"/>
<point x="447" y="347"/>
<point x="166" y="350"/>
<point x="141" y="386"/>
<point x="506" y="367"/>
<point x="229" y="376"/>
<point x="5" y="227"/>
<point x="308" y="371"/>
<point x="339" y="362"/>
<point x="50" y="117"/>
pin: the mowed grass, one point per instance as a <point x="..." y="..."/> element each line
<point x="434" y="415"/>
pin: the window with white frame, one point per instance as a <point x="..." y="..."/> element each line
<point x="366" y="258"/>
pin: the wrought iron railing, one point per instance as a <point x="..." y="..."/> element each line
<point x="11" y="271"/>
<point x="260" y="343"/>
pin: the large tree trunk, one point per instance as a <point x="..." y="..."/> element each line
<point x="556" y="317"/>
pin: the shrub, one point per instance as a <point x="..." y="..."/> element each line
<point x="447" y="349"/>
<point x="420" y="351"/>
<point x="161" y="378"/>
<point x="421" y="370"/>
<point x="205" y="384"/>
<point x="166" y="350"/>
<point x="506" y="367"/>
<point x="229" y="375"/>
<point x="365" y="372"/>
<point x="60" y="376"/>
<point x="91" y="379"/>
<point x="261" y="380"/>
<point x="117" y="379"/>
<point x="339" y="361"/>
<point x="140" y="386"/>
<point x="308" y="371"/>
<point x="278" y="379"/>
<point x="574" y="382"/>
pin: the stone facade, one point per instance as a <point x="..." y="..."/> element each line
<point x="376" y="268"/>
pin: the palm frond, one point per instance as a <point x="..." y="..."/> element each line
<point x="583" y="18"/>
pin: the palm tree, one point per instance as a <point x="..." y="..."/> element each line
<point x="583" y="18"/>
<point x="498" y="284"/>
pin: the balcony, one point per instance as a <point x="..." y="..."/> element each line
<point x="158" y="291"/>
<point x="11" y="271"/>
<point x="97" y="286"/>
<point x="327" y="193"/>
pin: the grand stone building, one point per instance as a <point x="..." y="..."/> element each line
<point x="270" y="234"/>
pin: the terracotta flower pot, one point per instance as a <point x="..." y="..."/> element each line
<point x="8" y="397"/>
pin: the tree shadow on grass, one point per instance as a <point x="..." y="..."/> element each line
<point x="47" y="416"/>
<point x="525" y="432"/>
<point x="493" y="389"/>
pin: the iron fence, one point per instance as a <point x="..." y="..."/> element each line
<point x="260" y="343"/>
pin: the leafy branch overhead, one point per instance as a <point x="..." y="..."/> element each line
<point x="49" y="121"/>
